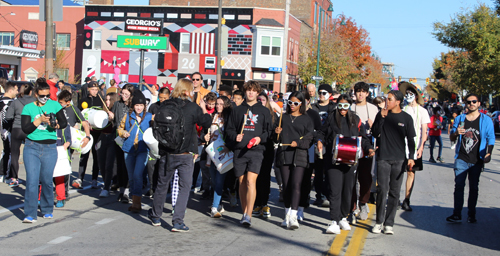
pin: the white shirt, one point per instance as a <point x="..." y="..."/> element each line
<point x="420" y="116"/>
<point x="365" y="112"/>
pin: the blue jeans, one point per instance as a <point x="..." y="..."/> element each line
<point x="462" y="169"/>
<point x="136" y="163"/>
<point x="39" y="161"/>
<point x="217" y="184"/>
<point x="433" y="142"/>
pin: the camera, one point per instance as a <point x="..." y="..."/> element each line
<point x="52" y="119"/>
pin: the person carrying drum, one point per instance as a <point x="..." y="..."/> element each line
<point x="341" y="173"/>
<point x="391" y="128"/>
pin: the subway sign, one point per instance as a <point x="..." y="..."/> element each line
<point x="144" y="25"/>
<point x="143" y="42"/>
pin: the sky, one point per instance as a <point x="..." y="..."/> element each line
<point x="399" y="30"/>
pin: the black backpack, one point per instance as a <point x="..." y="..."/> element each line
<point x="168" y="125"/>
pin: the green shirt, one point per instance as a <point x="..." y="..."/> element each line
<point x="43" y="131"/>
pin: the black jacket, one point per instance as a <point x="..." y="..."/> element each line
<point x="92" y="102"/>
<point x="331" y="107"/>
<point x="301" y="130"/>
<point x="258" y="125"/>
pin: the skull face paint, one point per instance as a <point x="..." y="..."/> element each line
<point x="410" y="96"/>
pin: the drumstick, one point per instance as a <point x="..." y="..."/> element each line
<point x="281" y="144"/>
<point x="103" y="103"/>
<point x="279" y="125"/>
<point x="244" y="121"/>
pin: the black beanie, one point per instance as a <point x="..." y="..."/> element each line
<point x="326" y="87"/>
<point x="138" y="98"/>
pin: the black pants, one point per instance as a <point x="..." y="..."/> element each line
<point x="84" y="158"/>
<point x="153" y="165"/>
<point x="106" y="155"/>
<point x="231" y="182"/>
<point x="196" y="172"/>
<point x="168" y="165"/>
<point x="364" y="176"/>
<point x="389" y="178"/>
<point x="305" y="188"/>
<point x="292" y="181"/>
<point x="341" y="179"/>
<point x="320" y="184"/>
<point x="5" y="162"/>
<point x="121" y="168"/>
<point x="16" y="139"/>
<point x="263" y="183"/>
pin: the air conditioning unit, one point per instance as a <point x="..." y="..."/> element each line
<point x="210" y="62"/>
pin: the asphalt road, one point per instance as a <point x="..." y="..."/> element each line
<point x="89" y="225"/>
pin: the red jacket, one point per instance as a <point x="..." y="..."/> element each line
<point x="53" y="90"/>
<point x="435" y="126"/>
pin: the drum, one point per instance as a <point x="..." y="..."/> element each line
<point x="347" y="150"/>
<point x="97" y="118"/>
<point x="77" y="137"/>
<point x="152" y="143"/>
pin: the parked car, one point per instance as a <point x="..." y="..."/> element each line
<point x="496" y="122"/>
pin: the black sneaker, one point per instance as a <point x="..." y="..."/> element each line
<point x="431" y="160"/>
<point x="154" y="221"/>
<point x="471" y="219"/>
<point x="454" y="218"/>
<point x="406" y="206"/>
<point x="180" y="228"/>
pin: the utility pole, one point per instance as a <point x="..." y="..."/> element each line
<point x="285" y="48"/>
<point x="49" y="39"/>
<point x="219" y="48"/>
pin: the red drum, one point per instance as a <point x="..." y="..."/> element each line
<point x="347" y="150"/>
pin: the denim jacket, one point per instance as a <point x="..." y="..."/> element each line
<point x="129" y="123"/>
<point x="486" y="131"/>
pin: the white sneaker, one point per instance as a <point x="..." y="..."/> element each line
<point x="333" y="228"/>
<point x="94" y="184"/>
<point x="453" y="146"/>
<point x="214" y="213"/>
<point x="220" y="209"/>
<point x="2" y="178"/>
<point x="344" y="224"/>
<point x="300" y="215"/>
<point x="104" y="193"/>
<point x="388" y="230"/>
<point x="294" y="223"/>
<point x="286" y="221"/>
<point x="377" y="229"/>
<point x="363" y="215"/>
<point x="246" y="222"/>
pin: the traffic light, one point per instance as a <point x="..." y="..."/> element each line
<point x="399" y="79"/>
<point x="427" y="80"/>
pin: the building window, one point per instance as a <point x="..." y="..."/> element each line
<point x="97" y="40"/>
<point x="6" y="38"/>
<point x="63" y="41"/>
<point x="270" y="45"/>
<point x="63" y="74"/>
<point x="185" y="40"/>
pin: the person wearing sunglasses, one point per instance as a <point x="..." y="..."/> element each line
<point x="39" y="120"/>
<point x="392" y="128"/>
<point x="324" y="107"/>
<point x="199" y="91"/>
<point x="476" y="138"/>
<point x="341" y="177"/>
<point x="294" y="137"/>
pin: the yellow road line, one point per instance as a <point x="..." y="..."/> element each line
<point x="357" y="242"/>
<point x="338" y="243"/>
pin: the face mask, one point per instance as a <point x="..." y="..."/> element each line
<point x="43" y="100"/>
<point x="410" y="97"/>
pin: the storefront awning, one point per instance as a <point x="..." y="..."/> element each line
<point x="19" y="52"/>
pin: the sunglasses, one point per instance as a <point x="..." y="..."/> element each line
<point x="323" y="93"/>
<point x="43" y="96"/>
<point x="294" y="103"/>
<point x="196" y="79"/>
<point x="471" y="101"/>
<point x="345" y="106"/>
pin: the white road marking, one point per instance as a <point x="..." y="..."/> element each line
<point x="41" y="248"/>
<point x="60" y="239"/>
<point x="104" y="221"/>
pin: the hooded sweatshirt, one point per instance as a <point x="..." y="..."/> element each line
<point x="16" y="108"/>
<point x="257" y="123"/>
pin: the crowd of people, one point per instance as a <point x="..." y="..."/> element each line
<point x="298" y="137"/>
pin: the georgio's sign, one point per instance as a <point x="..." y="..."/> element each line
<point x="144" y="25"/>
<point x="28" y="39"/>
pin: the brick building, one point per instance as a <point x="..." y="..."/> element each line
<point x="26" y="64"/>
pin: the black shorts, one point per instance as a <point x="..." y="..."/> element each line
<point x="246" y="160"/>
<point x="419" y="166"/>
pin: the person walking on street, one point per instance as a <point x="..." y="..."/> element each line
<point x="421" y="120"/>
<point x="435" y="127"/>
<point x="391" y="128"/>
<point x="476" y="138"/>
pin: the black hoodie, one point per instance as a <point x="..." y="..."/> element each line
<point x="258" y="123"/>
